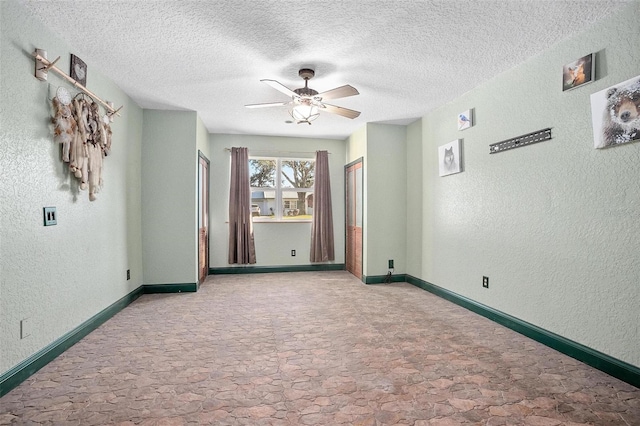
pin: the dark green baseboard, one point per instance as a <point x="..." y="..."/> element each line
<point x="35" y="362"/>
<point x="382" y="279"/>
<point x="603" y="362"/>
<point x="170" y="288"/>
<point x="268" y="269"/>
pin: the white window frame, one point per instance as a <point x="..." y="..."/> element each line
<point x="279" y="216"/>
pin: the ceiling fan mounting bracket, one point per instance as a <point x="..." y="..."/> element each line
<point x="306" y="73"/>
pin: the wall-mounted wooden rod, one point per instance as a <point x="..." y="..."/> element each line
<point x="50" y="66"/>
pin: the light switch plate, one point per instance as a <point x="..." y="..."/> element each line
<point x="50" y="216"/>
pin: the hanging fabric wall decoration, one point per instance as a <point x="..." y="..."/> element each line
<point x="84" y="134"/>
<point x="65" y="124"/>
<point x="85" y="139"/>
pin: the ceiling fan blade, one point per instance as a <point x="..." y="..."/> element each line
<point x="345" y="112"/>
<point x="281" y="88"/>
<point x="270" y="104"/>
<point x="339" y="92"/>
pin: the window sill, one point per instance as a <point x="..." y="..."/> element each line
<point x="279" y="221"/>
<point x="283" y="221"/>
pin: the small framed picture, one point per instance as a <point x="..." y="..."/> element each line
<point x="615" y="114"/>
<point x="578" y="72"/>
<point x="450" y="158"/>
<point x="78" y="70"/>
<point x="465" y="119"/>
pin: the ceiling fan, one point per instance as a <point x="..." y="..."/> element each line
<point x="308" y="103"/>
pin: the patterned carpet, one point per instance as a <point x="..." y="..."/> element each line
<point x="313" y="349"/>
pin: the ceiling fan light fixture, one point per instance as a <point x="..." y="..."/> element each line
<point x="305" y="112"/>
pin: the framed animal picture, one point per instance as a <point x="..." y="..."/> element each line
<point x="578" y="72"/>
<point x="615" y="114"/>
<point x="465" y="119"/>
<point x="450" y="158"/>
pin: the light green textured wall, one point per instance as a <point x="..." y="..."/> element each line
<point x="554" y="225"/>
<point x="357" y="144"/>
<point x="202" y="145"/>
<point x="202" y="139"/>
<point x="414" y="208"/>
<point x="384" y="149"/>
<point x="169" y="203"/>
<point x="58" y="276"/>
<point x="386" y="192"/>
<point x="274" y="241"/>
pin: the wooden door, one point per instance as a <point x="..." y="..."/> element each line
<point x="203" y="217"/>
<point x="353" y="217"/>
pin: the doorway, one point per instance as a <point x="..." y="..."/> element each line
<point x="353" y="217"/>
<point x="203" y="217"/>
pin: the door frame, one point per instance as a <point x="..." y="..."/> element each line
<point x="346" y="213"/>
<point x="202" y="157"/>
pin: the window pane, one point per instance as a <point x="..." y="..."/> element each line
<point x="296" y="204"/>
<point x="262" y="173"/>
<point x="297" y="173"/>
<point x="263" y="203"/>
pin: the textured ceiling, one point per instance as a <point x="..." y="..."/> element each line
<point x="404" y="57"/>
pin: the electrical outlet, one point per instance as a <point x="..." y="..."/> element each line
<point x="390" y="263"/>
<point x="485" y="282"/>
<point x="293" y="253"/>
<point x="128" y="274"/>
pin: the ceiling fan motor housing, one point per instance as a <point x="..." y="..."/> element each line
<point x="305" y="91"/>
<point x="306" y="74"/>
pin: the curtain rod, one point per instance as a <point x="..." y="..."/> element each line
<point x="262" y="151"/>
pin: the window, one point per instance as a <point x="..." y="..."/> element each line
<point x="281" y="188"/>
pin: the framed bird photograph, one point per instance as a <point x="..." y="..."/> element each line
<point x="578" y="72"/>
<point x="465" y="119"/>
